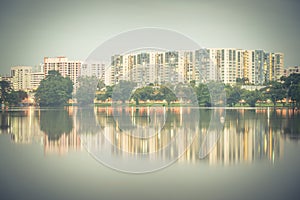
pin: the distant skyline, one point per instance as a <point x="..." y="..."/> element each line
<point x="32" y="29"/>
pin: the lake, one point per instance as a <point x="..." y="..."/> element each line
<point x="149" y="153"/>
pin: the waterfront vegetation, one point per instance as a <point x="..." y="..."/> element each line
<point x="56" y="90"/>
<point x="9" y="96"/>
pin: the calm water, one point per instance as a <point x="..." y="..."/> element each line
<point x="77" y="153"/>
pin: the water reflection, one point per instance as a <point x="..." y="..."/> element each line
<point x="54" y="123"/>
<point x="58" y="127"/>
<point x="247" y="135"/>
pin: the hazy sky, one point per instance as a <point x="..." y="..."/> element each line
<point x="32" y="29"/>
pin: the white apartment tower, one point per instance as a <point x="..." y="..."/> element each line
<point x="65" y="67"/>
<point x="95" y="69"/>
<point x="21" y="77"/>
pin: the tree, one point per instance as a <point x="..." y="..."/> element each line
<point x="85" y="94"/>
<point x="275" y="92"/>
<point x="106" y="94"/>
<point x="100" y="85"/>
<point x="233" y="94"/>
<point x="296" y="95"/>
<point x="291" y="85"/>
<point x="122" y="91"/>
<point x="251" y="97"/>
<point x="203" y="95"/>
<point x="167" y="94"/>
<point x="5" y="89"/>
<point x="242" y="81"/>
<point x="186" y="92"/>
<point x="54" y="90"/>
<point x="16" y="97"/>
<point x="144" y="93"/>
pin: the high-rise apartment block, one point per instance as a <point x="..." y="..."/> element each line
<point x="65" y="67"/>
<point x="227" y="65"/>
<point x="36" y="78"/>
<point x="21" y="77"/>
<point x="212" y="64"/>
<point x="291" y="70"/>
<point x="96" y="69"/>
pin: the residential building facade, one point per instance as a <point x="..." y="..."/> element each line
<point x="65" y="67"/>
<point x="21" y="78"/>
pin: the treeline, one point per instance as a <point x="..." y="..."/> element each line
<point x="56" y="90"/>
<point x="285" y="90"/>
<point x="10" y="97"/>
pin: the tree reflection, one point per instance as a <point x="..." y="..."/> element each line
<point x="4" y="125"/>
<point x="54" y="123"/>
<point x="292" y="129"/>
<point x="86" y="121"/>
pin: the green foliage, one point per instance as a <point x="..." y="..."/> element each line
<point x="242" y="81"/>
<point x="251" y="97"/>
<point x="55" y="123"/>
<point x="100" y="85"/>
<point x="122" y="91"/>
<point x="217" y="93"/>
<point x="9" y="96"/>
<point x="145" y="93"/>
<point x="168" y="94"/>
<point x="203" y="95"/>
<point x="16" y="97"/>
<point x="290" y="84"/>
<point x="275" y="92"/>
<point x="107" y="93"/>
<point x="213" y="93"/>
<point x="5" y="89"/>
<point x="85" y="94"/>
<point x="154" y="93"/>
<point x="54" y="90"/>
<point x="185" y="93"/>
<point x="233" y="94"/>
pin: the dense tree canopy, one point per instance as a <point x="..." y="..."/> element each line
<point x="251" y="97"/>
<point x="10" y="96"/>
<point x="275" y="92"/>
<point x="203" y="95"/>
<point x="16" y="97"/>
<point x="85" y="94"/>
<point x="54" y="90"/>
<point x="233" y="94"/>
<point x="123" y="91"/>
<point x="5" y="89"/>
<point x="291" y="84"/>
<point x="212" y="93"/>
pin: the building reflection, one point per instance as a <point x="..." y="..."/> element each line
<point x="22" y="126"/>
<point x="247" y="135"/>
<point x="139" y="137"/>
<point x="53" y="129"/>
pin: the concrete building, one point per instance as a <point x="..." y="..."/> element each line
<point x="21" y="77"/>
<point x="274" y="66"/>
<point x="36" y="78"/>
<point x="7" y="78"/>
<point x="291" y="70"/>
<point x="204" y="65"/>
<point x="66" y="68"/>
<point x="226" y="62"/>
<point x="96" y="69"/>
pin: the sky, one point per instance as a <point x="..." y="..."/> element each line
<point x="33" y="29"/>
